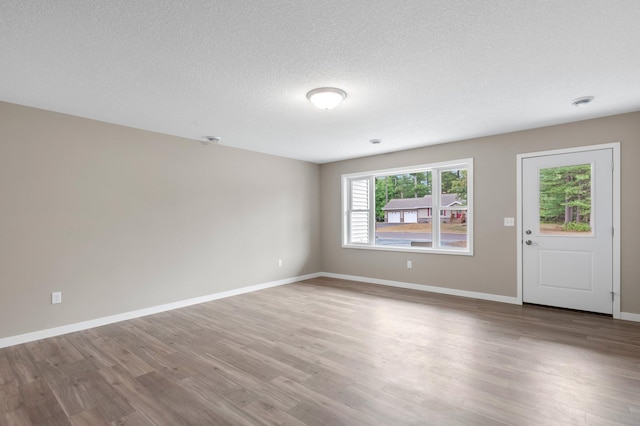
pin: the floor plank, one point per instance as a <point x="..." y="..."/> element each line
<point x="329" y="351"/>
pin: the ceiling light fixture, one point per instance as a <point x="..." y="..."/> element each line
<point x="582" y="102"/>
<point x="326" y="97"/>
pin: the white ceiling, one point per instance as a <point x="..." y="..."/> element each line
<point x="416" y="72"/>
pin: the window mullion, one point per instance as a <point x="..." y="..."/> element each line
<point x="372" y="210"/>
<point x="435" y="213"/>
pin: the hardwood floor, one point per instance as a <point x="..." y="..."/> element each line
<point x="332" y="352"/>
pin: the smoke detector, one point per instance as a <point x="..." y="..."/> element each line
<point x="212" y="139"/>
<point x="582" y="102"/>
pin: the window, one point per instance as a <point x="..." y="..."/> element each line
<point x="565" y="200"/>
<point x="394" y="209"/>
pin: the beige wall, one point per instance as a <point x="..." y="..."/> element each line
<point x="493" y="267"/>
<point x="120" y="219"/>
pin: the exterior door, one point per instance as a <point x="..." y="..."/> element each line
<point x="567" y="225"/>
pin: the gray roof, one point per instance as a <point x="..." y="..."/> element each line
<point x="420" y="203"/>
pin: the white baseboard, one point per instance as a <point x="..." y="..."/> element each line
<point x="628" y="316"/>
<point x="432" y="289"/>
<point x="70" y="328"/>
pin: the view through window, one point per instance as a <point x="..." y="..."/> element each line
<point x="565" y="200"/>
<point x="425" y="208"/>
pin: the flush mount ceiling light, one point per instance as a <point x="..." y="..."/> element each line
<point x="326" y="97"/>
<point x="582" y="102"/>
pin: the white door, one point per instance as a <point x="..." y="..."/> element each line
<point x="411" y="217"/>
<point x="393" y="217"/>
<point x="567" y="225"/>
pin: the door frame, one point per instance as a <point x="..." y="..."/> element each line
<point x="615" y="147"/>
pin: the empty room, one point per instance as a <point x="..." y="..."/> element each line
<point x="319" y="212"/>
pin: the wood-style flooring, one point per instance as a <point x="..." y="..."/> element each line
<point x="332" y="352"/>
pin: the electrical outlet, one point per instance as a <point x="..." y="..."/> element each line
<point x="409" y="264"/>
<point x="56" y="297"/>
<point x="279" y="263"/>
<point x="509" y="221"/>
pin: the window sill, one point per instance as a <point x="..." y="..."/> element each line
<point x="425" y="250"/>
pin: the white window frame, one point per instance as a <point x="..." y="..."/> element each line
<point x="435" y="169"/>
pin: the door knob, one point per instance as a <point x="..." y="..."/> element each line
<point x="528" y="242"/>
<point x="528" y="232"/>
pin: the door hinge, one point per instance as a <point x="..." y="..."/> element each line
<point x="613" y="296"/>
<point x="613" y="231"/>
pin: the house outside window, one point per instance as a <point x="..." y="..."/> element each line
<point x="393" y="209"/>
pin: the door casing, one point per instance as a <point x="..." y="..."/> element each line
<point x="616" y="214"/>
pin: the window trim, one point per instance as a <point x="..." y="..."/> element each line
<point x="436" y="169"/>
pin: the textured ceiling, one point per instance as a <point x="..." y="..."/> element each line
<point x="416" y="72"/>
